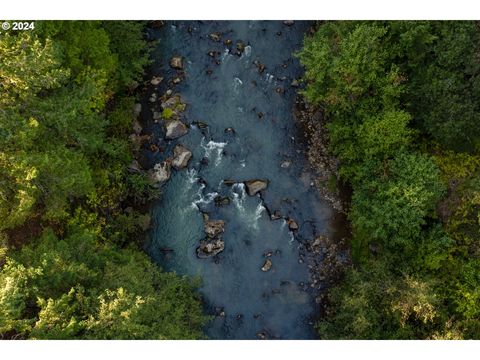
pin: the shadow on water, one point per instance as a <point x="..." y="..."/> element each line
<point x="229" y="90"/>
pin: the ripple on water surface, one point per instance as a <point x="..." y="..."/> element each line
<point x="247" y="301"/>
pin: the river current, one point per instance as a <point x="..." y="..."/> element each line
<point x="230" y="90"/>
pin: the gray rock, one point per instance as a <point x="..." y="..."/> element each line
<point x="285" y="164"/>
<point x="216" y="36"/>
<point x="137" y="128"/>
<point x="255" y="186"/>
<point x="295" y="83"/>
<point x="214" y="228"/>
<point x="177" y="62"/>
<point x="175" y="129"/>
<point x="137" y="109"/>
<point x="161" y="172"/>
<point x="181" y="156"/>
<point x="156" y="80"/>
<point x="267" y="265"/>
<point x="292" y="224"/>
<point x="288" y="22"/>
<point x="153" y="97"/>
<point x="157" y="115"/>
<point x="210" y="248"/>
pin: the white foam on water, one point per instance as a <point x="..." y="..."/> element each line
<point x="239" y="197"/>
<point x="203" y="200"/>
<point x="215" y="148"/>
<point x="225" y="54"/>
<point x="192" y="176"/>
<point x="269" y="78"/>
<point x="242" y="163"/>
<point x="247" y="51"/>
<point x="292" y="238"/>
<point x="236" y="85"/>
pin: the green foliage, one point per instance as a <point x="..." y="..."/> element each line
<point x="391" y="208"/>
<point x="74" y="288"/>
<point x="126" y="40"/>
<point x="373" y="303"/>
<point x="27" y="67"/>
<point x="65" y="117"/>
<point x="386" y="87"/>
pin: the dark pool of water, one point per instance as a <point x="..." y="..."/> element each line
<point x="278" y="302"/>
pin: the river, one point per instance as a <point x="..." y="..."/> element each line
<point x="230" y="90"/>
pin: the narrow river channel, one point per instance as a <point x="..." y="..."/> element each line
<point x="244" y="102"/>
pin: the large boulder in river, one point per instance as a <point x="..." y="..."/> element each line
<point x="161" y="172"/>
<point x="292" y="224"/>
<point x="177" y="62"/>
<point x="175" y="129"/>
<point x="174" y="103"/>
<point x="181" y="156"/>
<point x="214" y="228"/>
<point x="209" y="248"/>
<point x="255" y="186"/>
<point x="267" y="265"/>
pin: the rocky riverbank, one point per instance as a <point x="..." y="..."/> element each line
<point x="327" y="256"/>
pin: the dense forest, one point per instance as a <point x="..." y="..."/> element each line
<point x="402" y="106"/>
<point x="70" y="211"/>
<point x="402" y="103"/>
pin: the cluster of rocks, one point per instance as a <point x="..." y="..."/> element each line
<point x="167" y="109"/>
<point x="327" y="260"/>
<point x="213" y="242"/>
<point x="323" y="163"/>
<point x="161" y="172"/>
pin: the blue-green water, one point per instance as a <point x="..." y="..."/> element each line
<point x="278" y="302"/>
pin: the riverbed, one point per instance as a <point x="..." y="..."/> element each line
<point x="240" y="102"/>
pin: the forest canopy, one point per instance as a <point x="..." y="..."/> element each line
<point x="71" y="265"/>
<point x="401" y="99"/>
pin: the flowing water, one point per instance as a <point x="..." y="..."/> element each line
<point x="265" y="144"/>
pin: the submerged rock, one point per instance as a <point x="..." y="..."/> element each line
<point x="255" y="186"/>
<point x="276" y="215"/>
<point x="175" y="129"/>
<point x="177" y="62"/>
<point x="201" y="124"/>
<point x="222" y="200"/>
<point x="229" y="182"/>
<point x="267" y="265"/>
<point x="216" y="36"/>
<point x="181" y="156"/>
